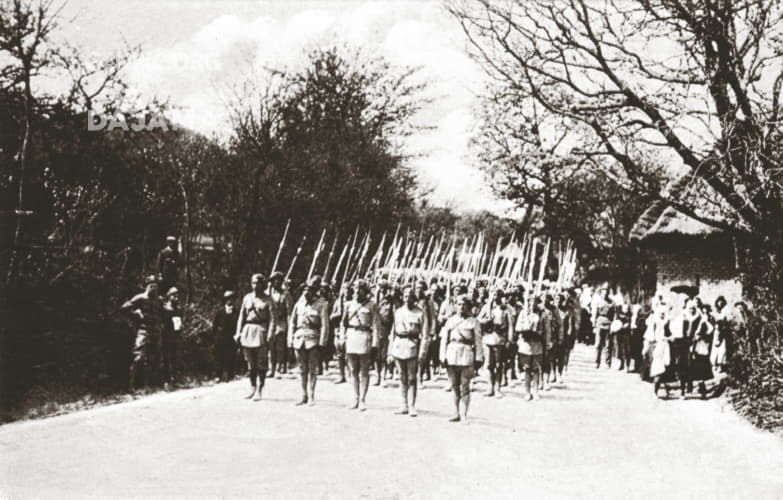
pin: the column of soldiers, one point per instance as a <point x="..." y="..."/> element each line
<point x="412" y="330"/>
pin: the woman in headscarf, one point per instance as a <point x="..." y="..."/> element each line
<point x="721" y="342"/>
<point x="656" y="340"/>
<point x="698" y="329"/>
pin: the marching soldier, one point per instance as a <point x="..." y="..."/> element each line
<point x="387" y="304"/>
<point x="326" y="353"/>
<point x="430" y="314"/>
<point x="362" y="324"/>
<point x="409" y="340"/>
<point x="603" y="315"/>
<point x="530" y="348"/>
<point x="254" y="327"/>
<point x="461" y="353"/>
<point x="554" y="349"/>
<point x="223" y="329"/>
<point x="169" y="263"/>
<point x="497" y="323"/>
<point x="307" y="331"/>
<point x="346" y="295"/>
<point x="147" y="311"/>
<point x="282" y="304"/>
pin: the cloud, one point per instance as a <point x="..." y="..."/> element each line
<point x="222" y="52"/>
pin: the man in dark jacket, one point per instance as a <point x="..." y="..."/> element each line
<point x="223" y="329"/>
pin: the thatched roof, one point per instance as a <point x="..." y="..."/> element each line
<point x="662" y="219"/>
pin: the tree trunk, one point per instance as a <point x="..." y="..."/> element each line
<point x="20" y="212"/>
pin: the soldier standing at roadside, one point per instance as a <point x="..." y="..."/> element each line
<point x="146" y="309"/>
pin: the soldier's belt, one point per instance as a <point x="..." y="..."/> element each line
<point x="360" y="328"/>
<point x="462" y="341"/>
<point x="406" y="335"/>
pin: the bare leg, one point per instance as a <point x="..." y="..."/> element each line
<point x="412" y="368"/>
<point x="467" y="375"/>
<point x="301" y="357"/>
<point x="353" y="367"/>
<point x="404" y="381"/>
<point x="312" y="362"/>
<point x="364" y="366"/>
<point x="455" y="382"/>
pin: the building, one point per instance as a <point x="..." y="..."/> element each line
<point x="690" y="256"/>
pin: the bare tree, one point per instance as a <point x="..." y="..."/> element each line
<point x="695" y="83"/>
<point x="25" y="28"/>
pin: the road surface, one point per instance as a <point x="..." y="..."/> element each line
<point x="602" y="435"/>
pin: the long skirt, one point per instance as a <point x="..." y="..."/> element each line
<point x="701" y="368"/>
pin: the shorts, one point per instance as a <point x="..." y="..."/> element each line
<point x="530" y="361"/>
<point x="256" y="358"/>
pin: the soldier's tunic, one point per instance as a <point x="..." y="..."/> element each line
<point x="409" y="336"/>
<point x="255" y="319"/>
<point x="254" y="327"/>
<point x="497" y="327"/>
<point x="149" y="327"/>
<point x="362" y="327"/>
<point x="530" y="346"/>
<point x="309" y="326"/>
<point x="386" y="308"/>
<point x="282" y="304"/>
<point x="461" y="342"/>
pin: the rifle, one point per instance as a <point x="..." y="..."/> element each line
<point x="280" y="248"/>
<point x="298" y="251"/>
<point x="317" y="252"/>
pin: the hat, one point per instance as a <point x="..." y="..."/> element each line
<point x="172" y="291"/>
<point x="312" y="283"/>
<point x="171" y="239"/>
<point x="362" y="285"/>
<point x="258" y="276"/>
<point x="228" y="294"/>
<point x="277" y="275"/>
<point x="151" y="279"/>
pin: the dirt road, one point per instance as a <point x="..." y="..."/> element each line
<point x="602" y="435"/>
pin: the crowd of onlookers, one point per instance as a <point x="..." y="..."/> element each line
<point x="671" y="338"/>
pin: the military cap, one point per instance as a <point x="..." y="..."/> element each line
<point x="151" y="279"/>
<point x="171" y="239"/>
<point x="172" y="291"/>
<point x="258" y="276"/>
<point x="362" y="285"/>
<point x="277" y="275"/>
<point x="313" y="283"/>
<point x="228" y="294"/>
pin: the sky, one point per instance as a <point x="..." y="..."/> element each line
<point x="195" y="51"/>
